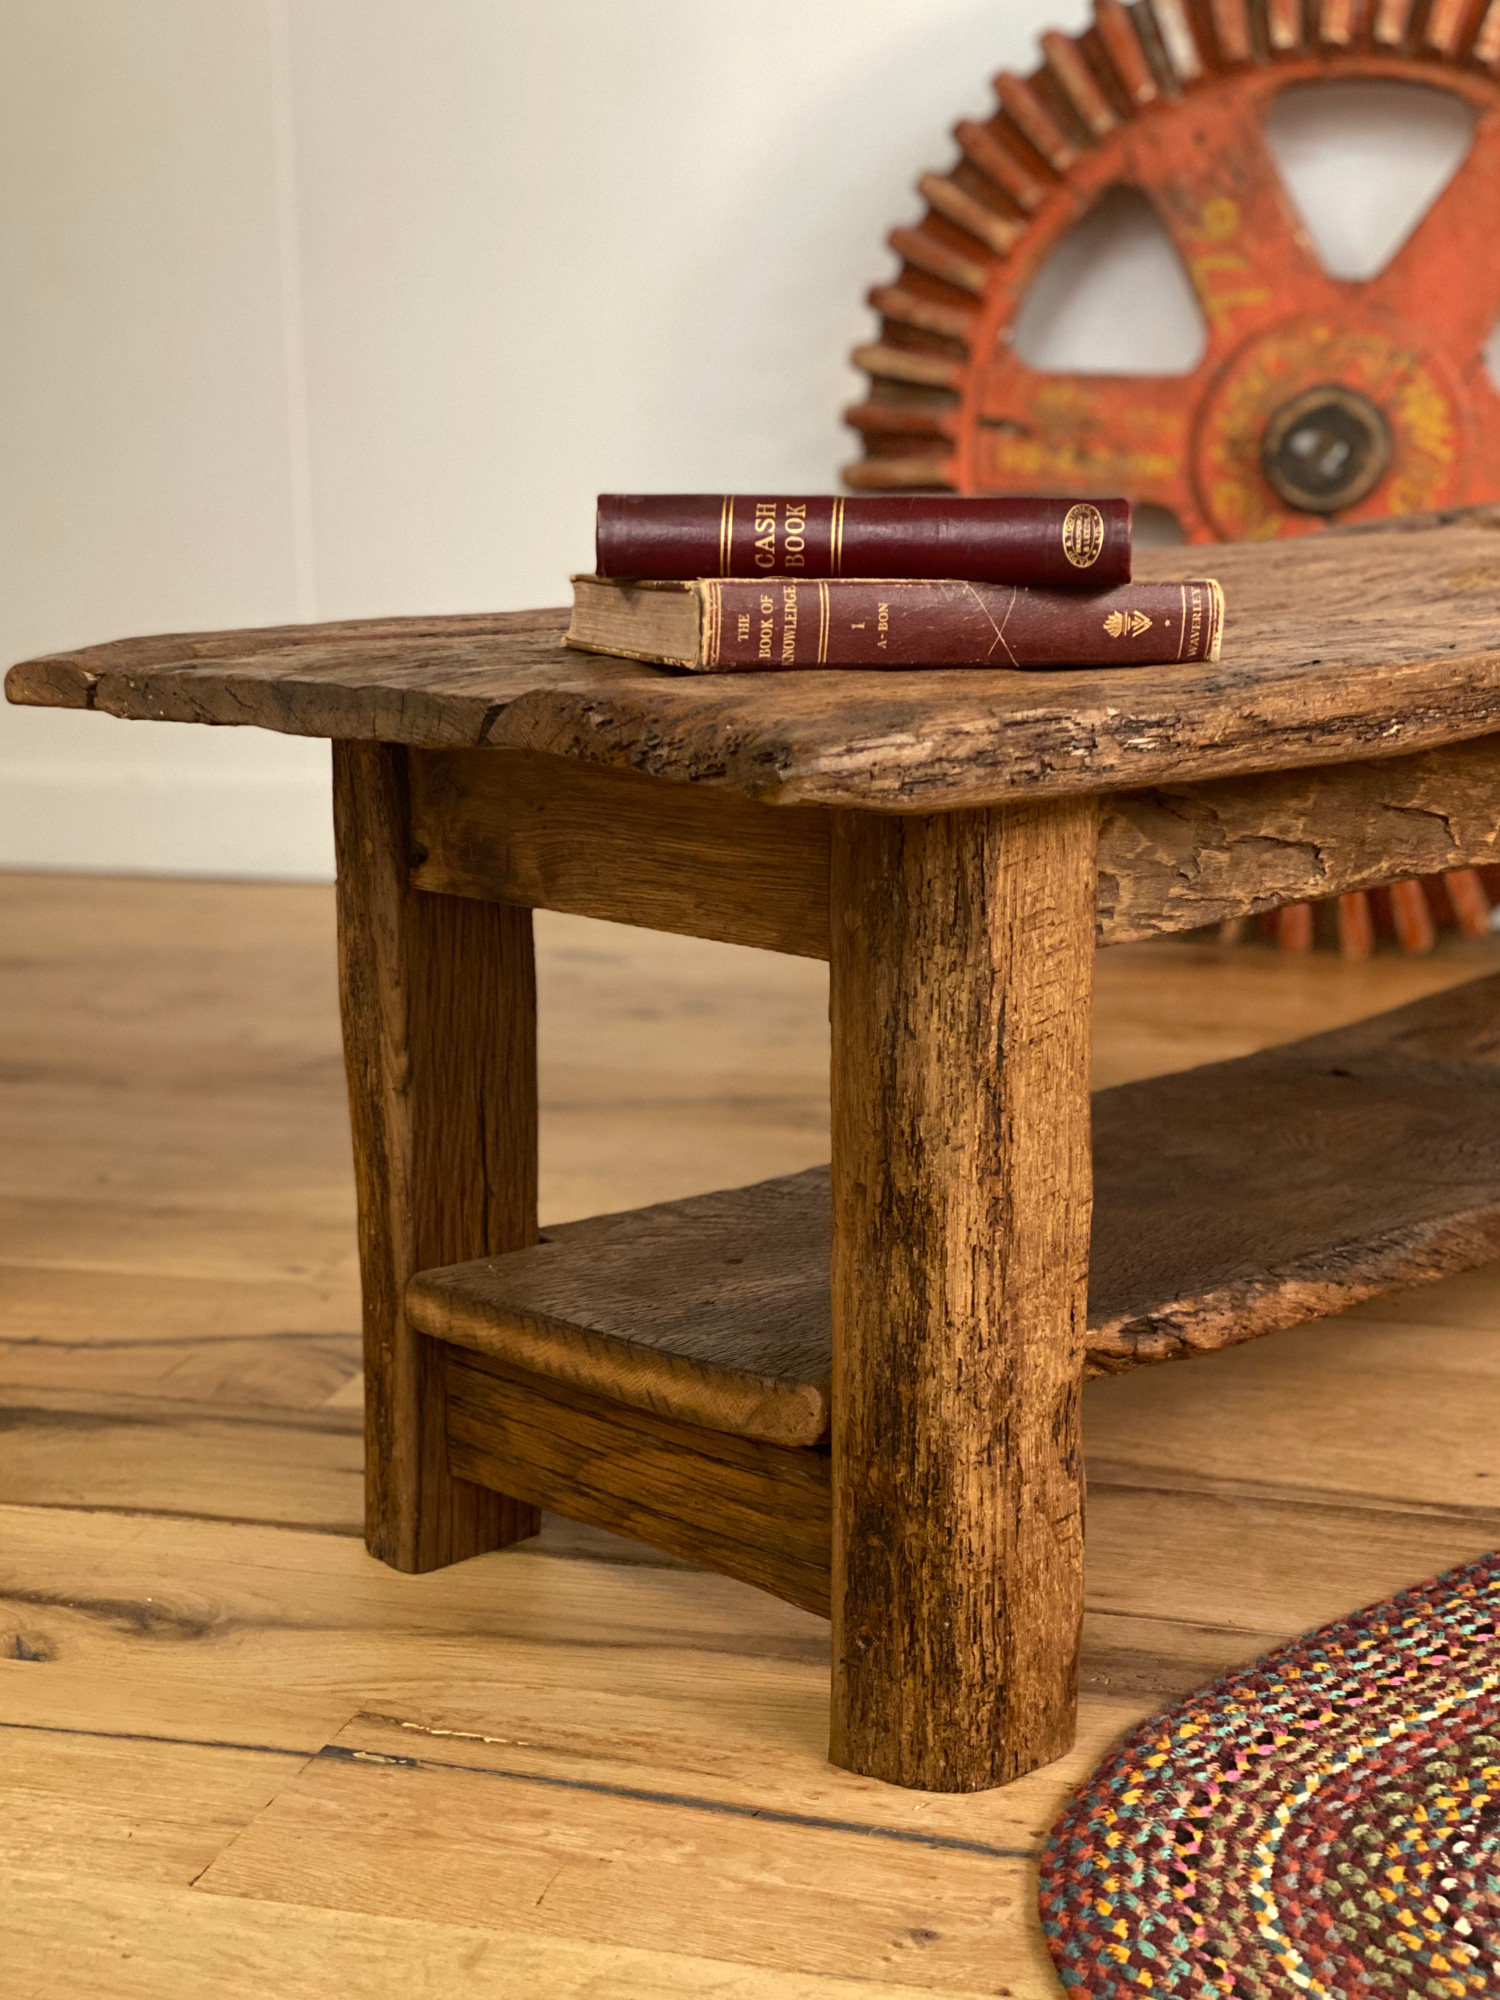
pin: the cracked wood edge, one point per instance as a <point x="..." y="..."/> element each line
<point x="1337" y="649"/>
<point x="1177" y="857"/>
<point x="1239" y="1311"/>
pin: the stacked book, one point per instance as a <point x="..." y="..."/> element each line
<point x="721" y="583"/>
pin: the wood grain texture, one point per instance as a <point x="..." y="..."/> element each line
<point x="1338" y="647"/>
<point x="695" y="1309"/>
<point x="550" y="833"/>
<point x="959" y="997"/>
<point x="136" y="1941"/>
<point x="796" y="1893"/>
<point x="79" y="1447"/>
<point x="1181" y="856"/>
<point x="439" y="1010"/>
<point x="750" y="1510"/>
<point x="601" y="1772"/>
<point x="1230" y="1201"/>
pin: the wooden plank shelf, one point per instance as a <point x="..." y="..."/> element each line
<point x="1229" y="1201"/>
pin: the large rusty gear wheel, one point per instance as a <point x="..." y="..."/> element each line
<point x="1169" y="97"/>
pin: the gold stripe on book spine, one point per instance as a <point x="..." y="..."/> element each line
<point x="823" y="623"/>
<point x="836" y="538"/>
<point x="1182" y="622"/>
<point x="713" y="619"/>
<point x="726" y="533"/>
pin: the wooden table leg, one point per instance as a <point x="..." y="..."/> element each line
<point x="962" y="955"/>
<point x="439" y="1009"/>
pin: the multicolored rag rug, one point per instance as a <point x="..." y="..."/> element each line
<point x="1326" y="1822"/>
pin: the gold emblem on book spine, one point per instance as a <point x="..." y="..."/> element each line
<point x="1127" y="624"/>
<point x="1083" y="535"/>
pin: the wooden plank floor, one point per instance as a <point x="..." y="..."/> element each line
<point x="240" y="1757"/>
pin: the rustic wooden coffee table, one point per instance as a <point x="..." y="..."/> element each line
<point x="900" y="1447"/>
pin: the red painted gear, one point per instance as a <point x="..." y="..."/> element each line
<point x="1170" y="96"/>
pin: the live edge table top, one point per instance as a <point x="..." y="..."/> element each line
<point x="1337" y="647"/>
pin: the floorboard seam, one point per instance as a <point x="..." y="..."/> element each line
<point x="174" y="1742"/>
<point x="688" y="1801"/>
<point x="183" y="1514"/>
<point x="1303" y="1499"/>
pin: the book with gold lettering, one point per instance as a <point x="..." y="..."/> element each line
<point x="1048" y="544"/>
<point x="736" y="625"/>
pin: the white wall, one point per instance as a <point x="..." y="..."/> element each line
<point x="321" y="308"/>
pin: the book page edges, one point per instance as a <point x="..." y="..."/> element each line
<point x="1216" y="599"/>
<point x="658" y="622"/>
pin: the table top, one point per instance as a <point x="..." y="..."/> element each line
<point x="1337" y="647"/>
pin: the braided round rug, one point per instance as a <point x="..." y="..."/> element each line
<point x="1326" y="1822"/>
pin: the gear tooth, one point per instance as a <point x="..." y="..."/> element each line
<point x="1231" y="21"/>
<point x="927" y="421"/>
<point x="1036" y="122"/>
<point x="1284" y="25"/>
<point x="923" y="248"/>
<point x="998" y="162"/>
<point x="1127" y="58"/>
<point x="1392" y="23"/>
<point x="1486" y="49"/>
<point x="1149" y="36"/>
<point x="1078" y="84"/>
<point x="1336" y="22"/>
<point x="908" y="307"/>
<point x="1181" y="44"/>
<point x="1470" y="901"/>
<point x="967" y="212"/>
<point x="916" y="365"/>
<point x="1446" y="20"/>
<point x="1356" y="928"/>
<point x="880" y="475"/>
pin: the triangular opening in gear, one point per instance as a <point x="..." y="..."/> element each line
<point x="1113" y="298"/>
<point x="1364" y="161"/>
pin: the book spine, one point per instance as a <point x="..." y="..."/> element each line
<point x="1055" y="544"/>
<point x="863" y="622"/>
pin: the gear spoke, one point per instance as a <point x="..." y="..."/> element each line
<point x="1046" y="433"/>
<point x="1445" y="278"/>
<point x="1215" y="185"/>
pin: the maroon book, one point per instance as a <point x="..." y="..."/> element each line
<point x="1051" y="544"/>
<point x="732" y="625"/>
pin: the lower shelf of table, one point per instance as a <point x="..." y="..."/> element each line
<point x="1230" y="1201"/>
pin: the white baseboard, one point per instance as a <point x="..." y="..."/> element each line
<point x="91" y="818"/>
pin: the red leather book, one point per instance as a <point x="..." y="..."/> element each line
<point x="731" y="625"/>
<point x="1054" y="544"/>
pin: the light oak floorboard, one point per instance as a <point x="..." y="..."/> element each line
<point x="137" y="1942"/>
<point x="242" y="1756"/>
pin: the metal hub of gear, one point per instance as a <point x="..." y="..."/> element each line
<point x="1316" y="399"/>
